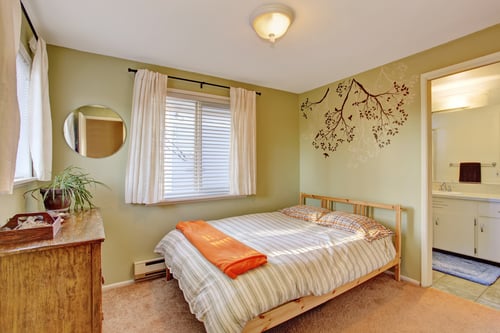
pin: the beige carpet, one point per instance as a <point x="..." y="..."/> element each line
<point x="379" y="305"/>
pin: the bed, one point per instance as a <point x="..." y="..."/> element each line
<point x="311" y="258"/>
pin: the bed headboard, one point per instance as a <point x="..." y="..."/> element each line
<point x="358" y="207"/>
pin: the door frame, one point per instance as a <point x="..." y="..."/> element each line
<point x="426" y="156"/>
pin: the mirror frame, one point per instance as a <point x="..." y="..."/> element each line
<point x="104" y="125"/>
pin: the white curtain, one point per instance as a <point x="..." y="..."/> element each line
<point x="10" y="30"/>
<point x="144" y="175"/>
<point x="40" y="121"/>
<point x="243" y="156"/>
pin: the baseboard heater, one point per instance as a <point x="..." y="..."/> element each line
<point x="149" y="269"/>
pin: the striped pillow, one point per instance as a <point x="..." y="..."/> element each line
<point x="364" y="226"/>
<point x="304" y="212"/>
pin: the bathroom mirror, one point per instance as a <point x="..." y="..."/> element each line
<point x="94" y="131"/>
<point x="466" y="123"/>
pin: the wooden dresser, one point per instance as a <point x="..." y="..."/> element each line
<point x="54" y="285"/>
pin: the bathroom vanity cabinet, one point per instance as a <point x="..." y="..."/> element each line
<point x="468" y="227"/>
<point x="454" y="227"/>
<point x="488" y="231"/>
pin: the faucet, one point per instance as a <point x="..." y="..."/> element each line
<point x="445" y="187"/>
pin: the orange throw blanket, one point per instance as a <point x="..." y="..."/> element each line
<point x="228" y="254"/>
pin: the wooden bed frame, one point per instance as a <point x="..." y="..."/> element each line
<point x="289" y="310"/>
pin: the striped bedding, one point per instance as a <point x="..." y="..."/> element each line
<point x="303" y="259"/>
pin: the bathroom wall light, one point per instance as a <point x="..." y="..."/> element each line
<point x="271" y="21"/>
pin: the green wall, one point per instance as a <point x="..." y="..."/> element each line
<point x="77" y="78"/>
<point x="360" y="169"/>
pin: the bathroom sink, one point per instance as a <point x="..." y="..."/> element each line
<point x="447" y="192"/>
<point x="467" y="195"/>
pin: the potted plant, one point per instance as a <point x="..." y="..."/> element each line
<point x="68" y="188"/>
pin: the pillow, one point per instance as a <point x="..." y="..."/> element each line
<point x="367" y="227"/>
<point x="304" y="212"/>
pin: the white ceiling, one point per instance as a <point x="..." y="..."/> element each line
<point x="328" y="41"/>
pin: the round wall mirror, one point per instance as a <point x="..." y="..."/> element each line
<point x="94" y="131"/>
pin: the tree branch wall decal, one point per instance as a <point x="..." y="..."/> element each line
<point x="308" y="106"/>
<point x="385" y="111"/>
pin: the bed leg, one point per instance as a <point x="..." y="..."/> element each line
<point x="397" y="272"/>
<point x="168" y="275"/>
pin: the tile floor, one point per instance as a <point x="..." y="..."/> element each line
<point x="487" y="295"/>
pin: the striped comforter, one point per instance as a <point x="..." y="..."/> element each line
<point x="303" y="259"/>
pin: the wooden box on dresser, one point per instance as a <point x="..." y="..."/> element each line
<point x="54" y="285"/>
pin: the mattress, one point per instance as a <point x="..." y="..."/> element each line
<point x="303" y="259"/>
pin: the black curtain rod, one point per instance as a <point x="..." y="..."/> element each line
<point x="29" y="20"/>
<point x="202" y="83"/>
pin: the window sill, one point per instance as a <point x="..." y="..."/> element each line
<point x="197" y="199"/>
<point x="23" y="181"/>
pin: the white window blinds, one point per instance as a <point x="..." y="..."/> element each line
<point x="197" y="137"/>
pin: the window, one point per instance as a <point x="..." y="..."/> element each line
<point x="24" y="168"/>
<point x="197" y="136"/>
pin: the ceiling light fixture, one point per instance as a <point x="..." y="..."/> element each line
<point x="272" y="21"/>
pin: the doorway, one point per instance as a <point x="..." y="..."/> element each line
<point x="426" y="157"/>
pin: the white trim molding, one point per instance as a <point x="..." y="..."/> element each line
<point x="117" y="285"/>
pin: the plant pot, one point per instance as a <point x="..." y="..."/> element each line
<point x="53" y="200"/>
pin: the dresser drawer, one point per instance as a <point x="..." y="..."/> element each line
<point x="455" y="205"/>
<point x="489" y="209"/>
